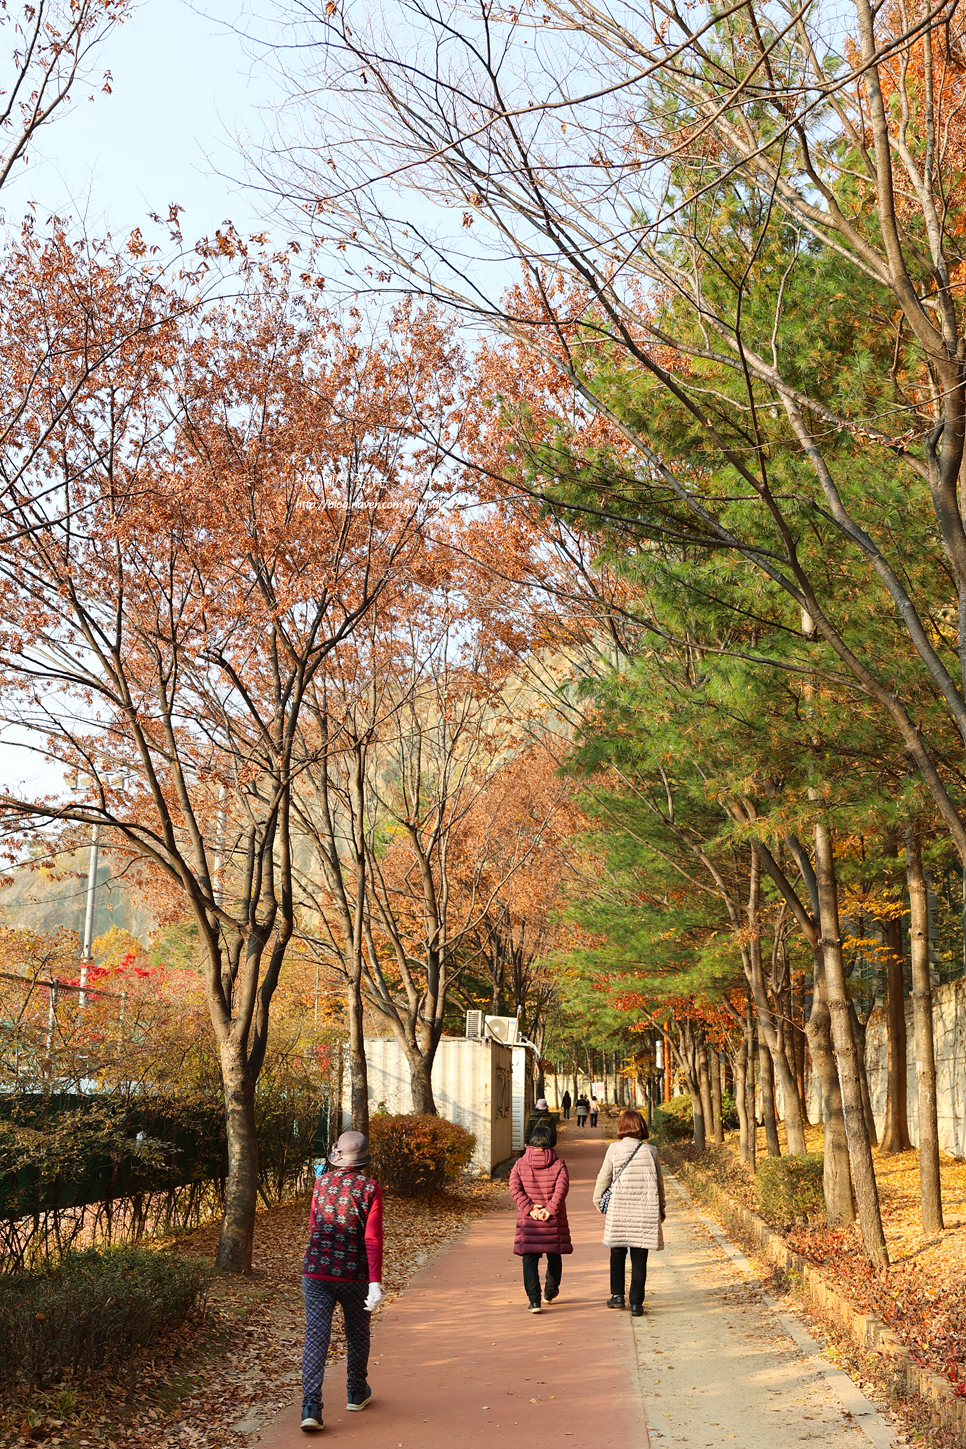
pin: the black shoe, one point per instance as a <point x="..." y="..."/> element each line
<point x="637" y="1310"/>
<point x="550" y="1294"/>
<point x="616" y="1300"/>
<point x="311" y="1416"/>
<point x="535" y="1306"/>
<point x="359" y="1399"/>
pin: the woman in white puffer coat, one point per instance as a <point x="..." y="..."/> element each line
<point x="635" y="1211"/>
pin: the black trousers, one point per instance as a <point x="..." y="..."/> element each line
<point x="638" y="1273"/>
<point x="593" y="1119"/>
<point x="531" y="1273"/>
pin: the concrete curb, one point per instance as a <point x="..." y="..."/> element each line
<point x="851" y="1397"/>
<point x="864" y="1329"/>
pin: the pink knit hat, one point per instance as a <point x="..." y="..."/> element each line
<point x="351" y="1150"/>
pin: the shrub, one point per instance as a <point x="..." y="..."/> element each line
<point x="93" y="1311"/>
<point x="673" y="1121"/>
<point x="414" y="1155"/>
<point x="789" y="1189"/>
<point x="729" y="1112"/>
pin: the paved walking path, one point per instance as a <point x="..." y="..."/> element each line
<point x="459" y="1361"/>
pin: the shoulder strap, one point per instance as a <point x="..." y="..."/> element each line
<point x="627" y="1163"/>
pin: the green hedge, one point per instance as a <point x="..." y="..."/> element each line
<point x="94" y="1311"/>
<point x="62" y="1152"/>
<point x="673" y="1121"/>
<point x="415" y="1155"/>
<point x="68" y="1151"/>
<point x="789" y="1189"/>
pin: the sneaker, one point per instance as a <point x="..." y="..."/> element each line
<point x="311" y="1416"/>
<point x="616" y="1301"/>
<point x="359" y="1398"/>
<point x="550" y="1294"/>
<point x="535" y="1306"/>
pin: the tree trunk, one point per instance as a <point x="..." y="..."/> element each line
<point x="716" y="1099"/>
<point x="697" y="1111"/>
<point x="791" y="1101"/>
<point x="704" y="1085"/>
<point x="858" y="1031"/>
<point x="358" y="1068"/>
<point x="741" y="1102"/>
<point x="895" y="1132"/>
<point x="930" y="1187"/>
<point x="772" y="1056"/>
<point x="800" y="1047"/>
<point x="752" y="1157"/>
<point x="686" y="1048"/>
<point x="339" y="1091"/>
<point x="836" y="1175"/>
<point x="767" y="1070"/>
<point x="241" y="1189"/>
<point x="421" y="1079"/>
<point x="860" y="1150"/>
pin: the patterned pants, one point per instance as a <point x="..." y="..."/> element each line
<point x="320" y="1297"/>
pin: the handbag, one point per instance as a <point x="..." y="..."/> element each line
<point x="604" y="1203"/>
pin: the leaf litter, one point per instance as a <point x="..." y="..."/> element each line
<point x="217" y="1380"/>
<point x="922" y="1297"/>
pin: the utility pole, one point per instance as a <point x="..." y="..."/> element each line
<point x="218" y="884"/>
<point x="89" y="915"/>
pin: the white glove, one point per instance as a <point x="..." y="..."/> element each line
<point x="374" y="1296"/>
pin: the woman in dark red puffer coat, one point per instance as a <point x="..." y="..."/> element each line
<point x="539" y="1183"/>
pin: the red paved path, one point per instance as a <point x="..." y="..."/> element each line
<point x="458" y="1360"/>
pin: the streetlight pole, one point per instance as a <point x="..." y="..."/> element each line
<point x="218" y="884"/>
<point x="89" y="915"/>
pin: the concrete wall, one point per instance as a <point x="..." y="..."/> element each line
<point x="949" y="1028"/>
<point x="472" y="1085"/>
<point x="522" y="1094"/>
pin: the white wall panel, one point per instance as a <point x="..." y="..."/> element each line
<point x="472" y="1085"/>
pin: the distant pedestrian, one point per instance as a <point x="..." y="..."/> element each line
<point x="539" y="1183"/>
<point x="594" y="1109"/>
<point x="540" y="1114"/>
<point x="635" y="1210"/>
<point x="582" y="1107"/>
<point x="565" y="1102"/>
<point x="343" y="1264"/>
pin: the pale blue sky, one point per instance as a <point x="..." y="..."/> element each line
<point x="182" y="88"/>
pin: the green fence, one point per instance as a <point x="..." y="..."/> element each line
<point x="77" y="1168"/>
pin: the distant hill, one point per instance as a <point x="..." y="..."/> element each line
<point x="42" y="900"/>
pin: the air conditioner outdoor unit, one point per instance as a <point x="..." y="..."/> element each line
<point x="474" y="1025"/>
<point x="503" y="1028"/>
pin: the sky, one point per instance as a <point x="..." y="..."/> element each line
<point x="183" y="87"/>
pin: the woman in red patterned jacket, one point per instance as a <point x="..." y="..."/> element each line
<point x="539" y="1183"/>
<point x="343" y="1264"/>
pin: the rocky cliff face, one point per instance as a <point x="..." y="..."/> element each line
<point x="44" y="900"/>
